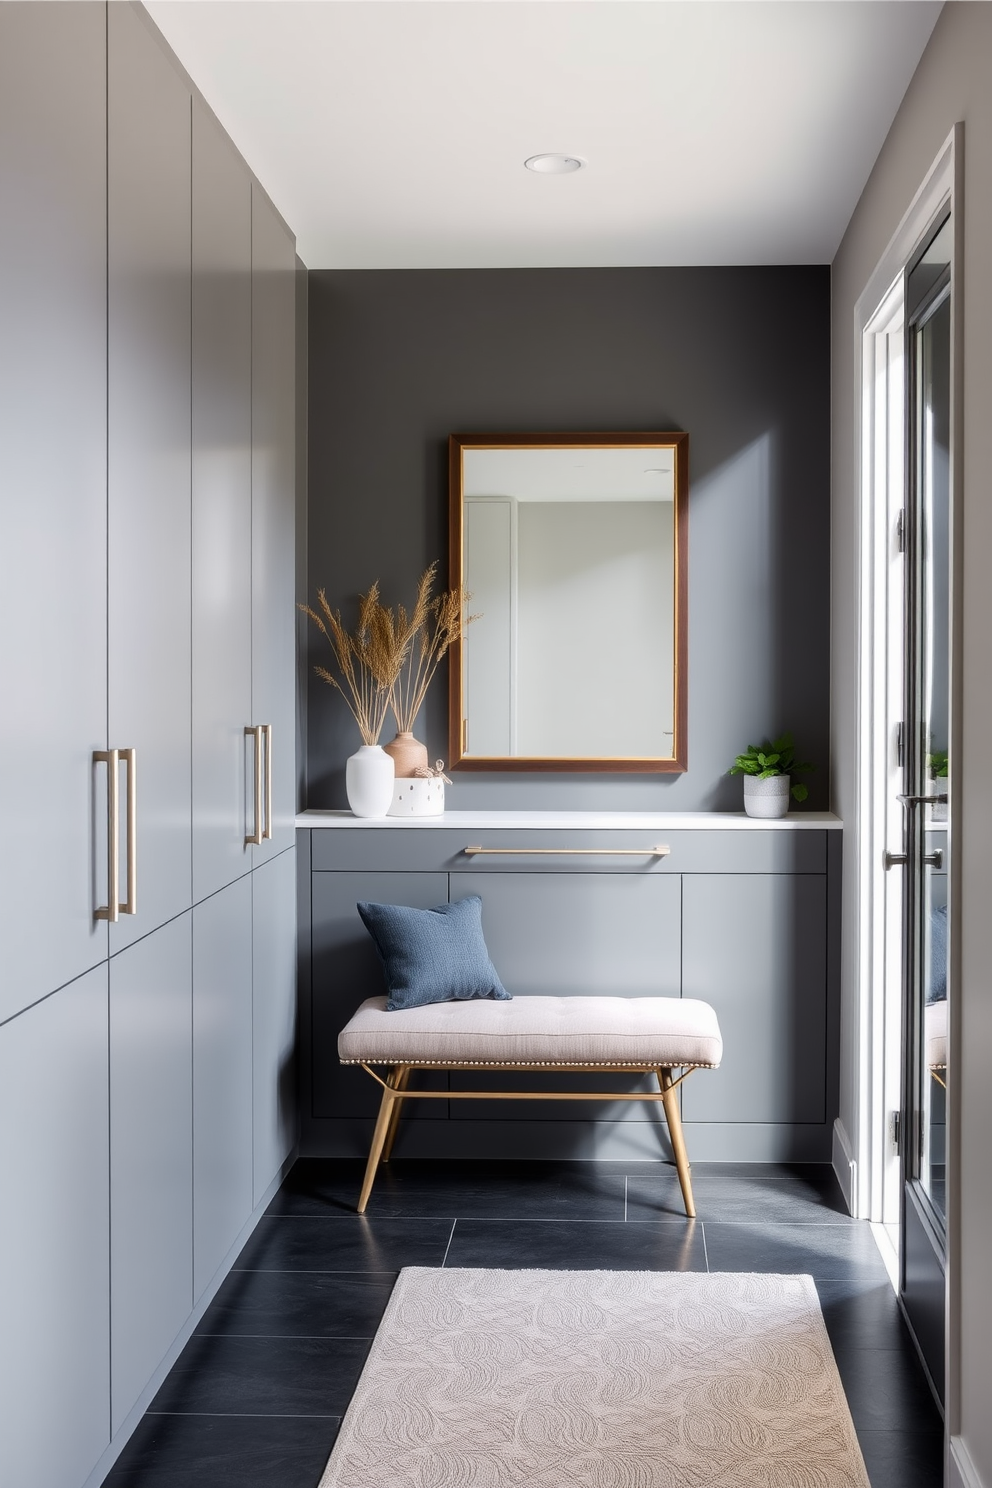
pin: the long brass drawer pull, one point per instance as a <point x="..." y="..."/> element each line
<point x="567" y="852"/>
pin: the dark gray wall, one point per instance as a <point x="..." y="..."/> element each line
<point x="740" y="358"/>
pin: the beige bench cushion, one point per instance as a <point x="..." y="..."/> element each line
<point x="649" y="1031"/>
<point x="935" y="1034"/>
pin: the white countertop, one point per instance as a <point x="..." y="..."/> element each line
<point x="600" y="821"/>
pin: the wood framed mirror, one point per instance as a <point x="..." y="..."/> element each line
<point x="573" y="549"/>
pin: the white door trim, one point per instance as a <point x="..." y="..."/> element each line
<point x="868" y="1141"/>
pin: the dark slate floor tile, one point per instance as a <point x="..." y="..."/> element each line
<point x="225" y="1452"/>
<point x="416" y="1189"/>
<point x="358" y="1243"/>
<point x="298" y="1304"/>
<point x="263" y="1376"/>
<point x="895" y="1460"/>
<point x="661" y="1245"/>
<point x="862" y="1313"/>
<point x="740" y="1200"/>
<point x="839" y="1251"/>
<point x="887" y="1390"/>
<point x="763" y="1172"/>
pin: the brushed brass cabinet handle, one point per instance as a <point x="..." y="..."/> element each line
<point x="567" y="852"/>
<point x="111" y="909"/>
<point x="267" y="829"/>
<point x="130" y="905"/>
<point x="254" y="838"/>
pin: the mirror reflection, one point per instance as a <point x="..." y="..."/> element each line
<point x="573" y="554"/>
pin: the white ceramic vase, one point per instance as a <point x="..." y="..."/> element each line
<point x="766" y="798"/>
<point x="369" y="781"/>
<point x="418" y="797"/>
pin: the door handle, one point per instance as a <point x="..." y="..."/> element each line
<point x="111" y="910"/>
<point x="130" y="905"/>
<point x="254" y="730"/>
<point x="267" y="829"/>
<point x="899" y="860"/>
<point x="923" y="800"/>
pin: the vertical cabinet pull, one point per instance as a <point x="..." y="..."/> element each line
<point x="254" y="731"/>
<point x="267" y="830"/>
<point x="113" y="908"/>
<point x="262" y="792"/>
<point x="130" y="905"/>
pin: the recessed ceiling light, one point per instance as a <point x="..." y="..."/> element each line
<point x="554" y="165"/>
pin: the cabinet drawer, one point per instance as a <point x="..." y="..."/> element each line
<point x="440" y="849"/>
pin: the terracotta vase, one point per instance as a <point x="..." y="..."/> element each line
<point x="408" y="755"/>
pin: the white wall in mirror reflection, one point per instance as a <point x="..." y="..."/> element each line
<point x="569" y="558"/>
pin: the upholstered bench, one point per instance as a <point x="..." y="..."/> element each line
<point x="634" y="1035"/>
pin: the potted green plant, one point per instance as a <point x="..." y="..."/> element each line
<point x="768" y="769"/>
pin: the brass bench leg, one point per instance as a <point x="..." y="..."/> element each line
<point x="671" y="1103"/>
<point x="394" y="1120"/>
<point x="396" y="1075"/>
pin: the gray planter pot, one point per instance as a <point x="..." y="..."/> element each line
<point x="766" y="798"/>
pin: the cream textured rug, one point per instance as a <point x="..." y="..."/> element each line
<point x="598" y="1379"/>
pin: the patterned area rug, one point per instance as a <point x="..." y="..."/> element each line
<point x="598" y="1379"/>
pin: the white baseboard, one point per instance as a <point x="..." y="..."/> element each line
<point x="845" y="1166"/>
<point x="961" y="1471"/>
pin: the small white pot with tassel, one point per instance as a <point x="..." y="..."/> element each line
<point x="421" y="794"/>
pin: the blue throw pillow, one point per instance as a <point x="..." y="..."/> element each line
<point x="432" y="955"/>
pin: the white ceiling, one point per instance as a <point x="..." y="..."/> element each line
<point x="392" y="133"/>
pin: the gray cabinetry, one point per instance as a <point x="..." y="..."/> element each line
<point x="148" y="494"/>
<point x="735" y="916"/>
<point x="53" y="496"/>
<point x="151" y="1143"/>
<point x="273" y="1016"/>
<point x="755" y="947"/>
<point x="54" y="1238"/>
<point x="222" y="1076"/>
<point x="273" y="421"/>
<point x="580" y="934"/>
<point x="127" y="394"/>
<point x="222" y="632"/>
<point x="346" y="970"/>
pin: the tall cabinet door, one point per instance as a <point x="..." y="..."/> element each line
<point x="273" y="1016"/>
<point x="149" y="457"/>
<point x="221" y="505"/>
<point x="53" y="476"/>
<point x="151" y="1140"/>
<point x="54" y="1238"/>
<point x="273" y="509"/>
<point x="222" y="1076"/>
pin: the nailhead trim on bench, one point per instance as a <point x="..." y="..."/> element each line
<point x="515" y="1064"/>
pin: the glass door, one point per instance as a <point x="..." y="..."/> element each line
<point x="927" y="764"/>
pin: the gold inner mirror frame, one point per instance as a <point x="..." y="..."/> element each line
<point x="573" y="549"/>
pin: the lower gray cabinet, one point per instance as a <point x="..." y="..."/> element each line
<point x="273" y="940"/>
<point x="754" y="945"/>
<point x="737" y="917"/>
<point x="222" y="1076"/>
<point x="54" y="1238"/>
<point x="580" y="934"/>
<point x="151" y="1145"/>
<point x="346" y="970"/>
